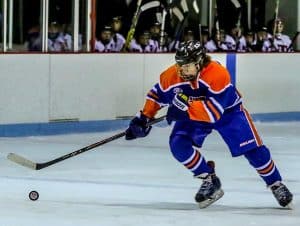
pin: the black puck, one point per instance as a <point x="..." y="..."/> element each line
<point x="33" y="195"/>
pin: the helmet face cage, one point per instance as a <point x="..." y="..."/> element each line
<point x="189" y="52"/>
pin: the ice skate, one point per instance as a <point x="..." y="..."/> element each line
<point x="210" y="190"/>
<point x="282" y="194"/>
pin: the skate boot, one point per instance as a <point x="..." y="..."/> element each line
<point x="282" y="194"/>
<point x="210" y="190"/>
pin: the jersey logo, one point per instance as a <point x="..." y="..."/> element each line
<point x="177" y="90"/>
<point x="247" y="142"/>
<point x="199" y="98"/>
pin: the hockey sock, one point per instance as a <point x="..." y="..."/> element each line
<point x="260" y="159"/>
<point x="189" y="156"/>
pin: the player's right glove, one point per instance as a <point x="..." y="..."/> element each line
<point x="178" y="109"/>
<point x="138" y="127"/>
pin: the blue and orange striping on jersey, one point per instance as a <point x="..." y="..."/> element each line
<point x="150" y="108"/>
<point x="213" y="83"/>
<point x="257" y="138"/>
<point x="216" y="113"/>
<point x="153" y="95"/>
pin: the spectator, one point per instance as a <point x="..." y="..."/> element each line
<point x="56" y="42"/>
<point x="234" y="39"/>
<point x="263" y="38"/>
<point x="155" y="33"/>
<point x="142" y="43"/>
<point x="105" y="43"/>
<point x="118" y="38"/>
<point x="204" y="35"/>
<point x="250" y="43"/>
<point x="280" y="42"/>
<point x="68" y="37"/>
<point x="217" y="43"/>
<point x="33" y="39"/>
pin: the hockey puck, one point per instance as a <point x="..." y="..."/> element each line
<point x="33" y="195"/>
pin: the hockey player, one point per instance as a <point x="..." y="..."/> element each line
<point x="217" y="42"/>
<point x="143" y="43"/>
<point x="281" y="42"/>
<point x="118" y="38"/>
<point x="263" y="43"/>
<point x="56" y="42"/>
<point x="105" y="43"/>
<point x="201" y="98"/>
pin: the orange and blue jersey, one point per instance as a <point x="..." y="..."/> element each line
<point x="214" y="104"/>
<point x="210" y="95"/>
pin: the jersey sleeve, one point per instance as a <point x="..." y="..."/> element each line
<point x="154" y="101"/>
<point x="158" y="97"/>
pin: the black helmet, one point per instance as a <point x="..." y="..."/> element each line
<point x="188" y="52"/>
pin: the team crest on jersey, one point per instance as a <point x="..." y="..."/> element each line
<point x="177" y="90"/>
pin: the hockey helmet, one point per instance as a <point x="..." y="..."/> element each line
<point x="190" y="52"/>
<point x="190" y="58"/>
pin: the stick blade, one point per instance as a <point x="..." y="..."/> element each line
<point x="21" y="161"/>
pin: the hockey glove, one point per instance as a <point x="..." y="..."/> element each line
<point x="138" y="127"/>
<point x="178" y="109"/>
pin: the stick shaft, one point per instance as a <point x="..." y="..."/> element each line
<point x="275" y="16"/>
<point x="131" y="31"/>
<point x="37" y="166"/>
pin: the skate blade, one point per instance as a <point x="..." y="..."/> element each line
<point x="216" y="196"/>
<point x="289" y="206"/>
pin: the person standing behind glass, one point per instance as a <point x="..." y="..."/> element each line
<point x="217" y="42"/>
<point x="263" y="43"/>
<point x="105" y="43"/>
<point x="56" y="42"/>
<point x="281" y="42"/>
<point x="142" y="43"/>
<point x="33" y="39"/>
<point x="118" y="38"/>
<point x="68" y="37"/>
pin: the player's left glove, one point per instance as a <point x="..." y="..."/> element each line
<point x="178" y="109"/>
<point x="138" y="127"/>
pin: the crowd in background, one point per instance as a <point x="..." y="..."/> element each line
<point x="229" y="33"/>
<point x="237" y="40"/>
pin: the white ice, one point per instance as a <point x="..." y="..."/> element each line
<point x="139" y="183"/>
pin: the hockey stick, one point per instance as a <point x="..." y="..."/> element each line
<point x="162" y="30"/>
<point x="182" y="17"/>
<point x="140" y="8"/>
<point x="275" y="16"/>
<point x="37" y="166"/>
<point x="131" y="31"/>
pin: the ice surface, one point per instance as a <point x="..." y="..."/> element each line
<point x="139" y="182"/>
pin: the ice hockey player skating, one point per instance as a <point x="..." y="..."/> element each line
<point x="200" y="97"/>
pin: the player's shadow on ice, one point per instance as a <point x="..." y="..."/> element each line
<point x="249" y="210"/>
<point x="159" y="205"/>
